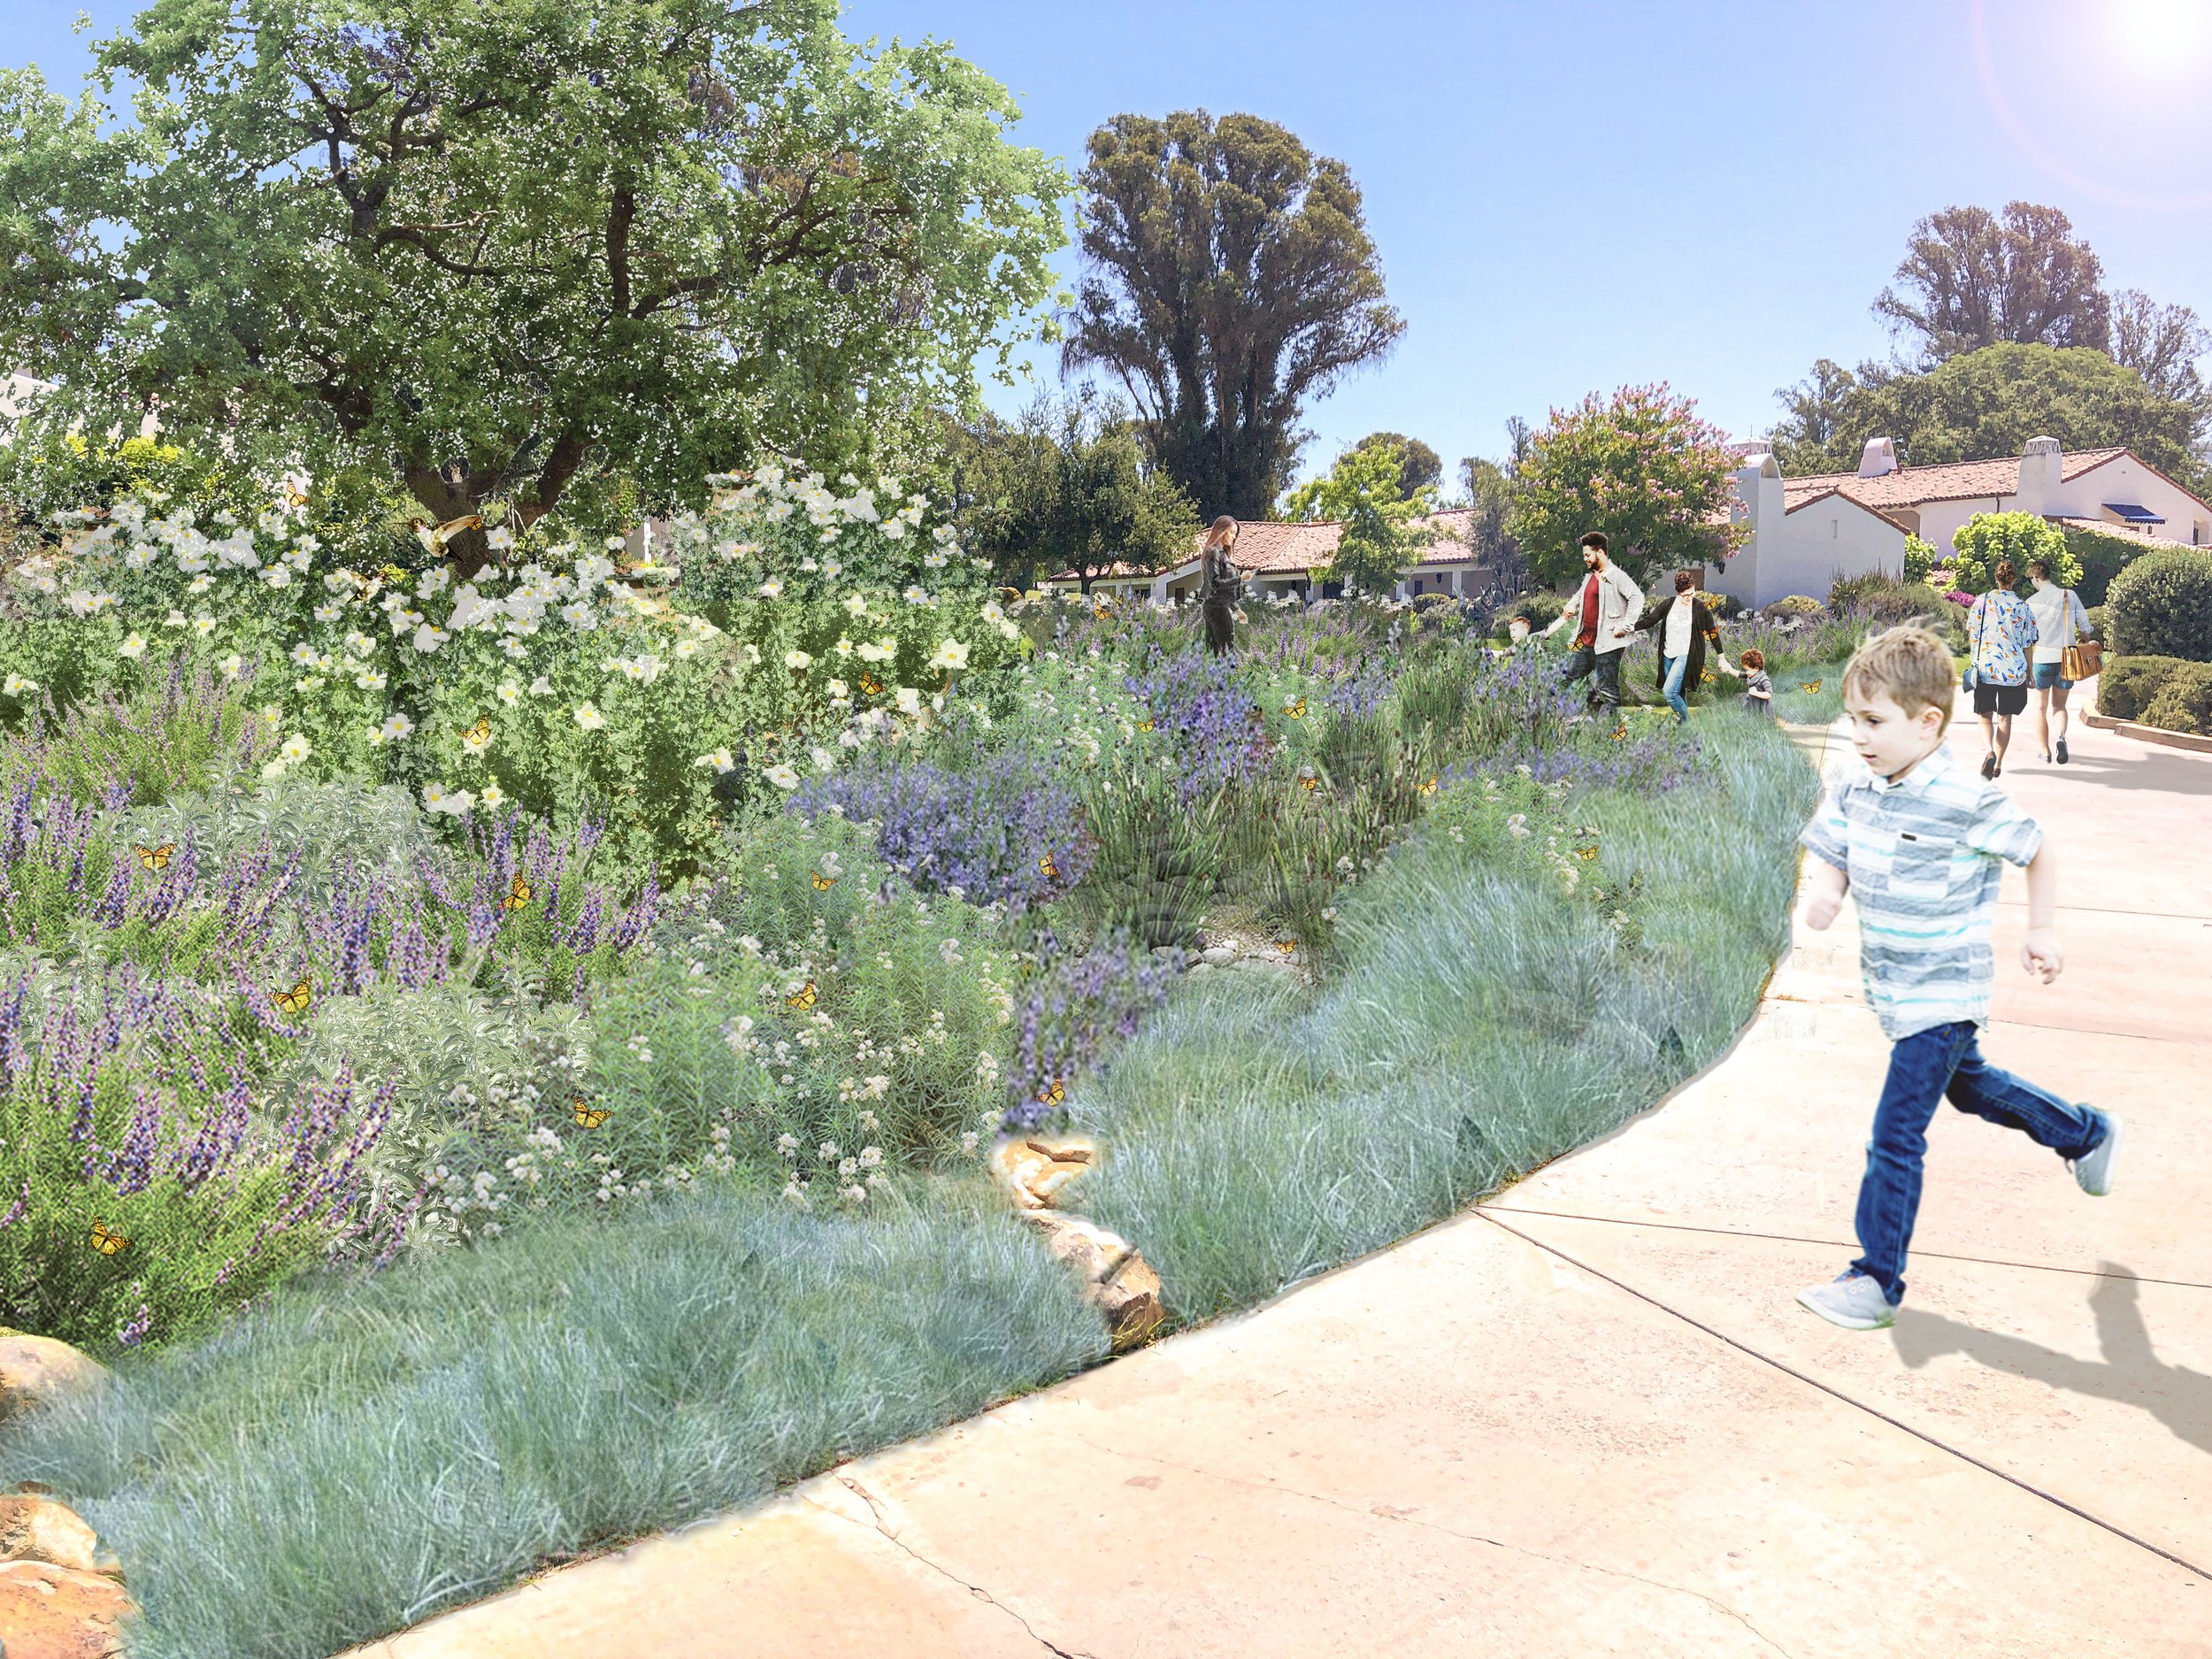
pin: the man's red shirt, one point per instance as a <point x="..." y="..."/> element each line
<point x="1589" y="635"/>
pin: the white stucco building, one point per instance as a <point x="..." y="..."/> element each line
<point x="1284" y="557"/>
<point x="1805" y="531"/>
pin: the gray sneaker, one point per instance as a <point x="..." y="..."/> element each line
<point x="1853" y="1300"/>
<point x="2093" y="1173"/>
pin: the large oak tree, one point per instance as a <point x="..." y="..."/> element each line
<point x="498" y="243"/>
<point x="1971" y="278"/>
<point x="1232" y="279"/>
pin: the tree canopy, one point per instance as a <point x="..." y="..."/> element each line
<point x="1422" y="468"/>
<point x="1232" y="279"/>
<point x="1971" y="278"/>
<point x="1986" y="404"/>
<point x="1644" y="467"/>
<point x="503" y="245"/>
<point x="1067" y="486"/>
<point x="1365" y="493"/>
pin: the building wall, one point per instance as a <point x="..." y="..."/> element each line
<point x="1940" y="520"/>
<point x="1805" y="551"/>
<point x="2128" y="479"/>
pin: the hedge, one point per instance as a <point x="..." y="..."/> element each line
<point x="2161" y="691"/>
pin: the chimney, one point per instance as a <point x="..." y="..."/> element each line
<point x="2040" y="477"/>
<point x="1879" y="458"/>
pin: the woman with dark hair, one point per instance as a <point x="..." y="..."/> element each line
<point x="1685" y="624"/>
<point x="1220" y="585"/>
<point x="2001" y="630"/>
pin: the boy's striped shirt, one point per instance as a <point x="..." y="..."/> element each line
<point x="1922" y="857"/>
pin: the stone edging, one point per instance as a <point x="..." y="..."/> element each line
<point x="2142" y="733"/>
<point x="59" y="1593"/>
<point x="1035" y="1170"/>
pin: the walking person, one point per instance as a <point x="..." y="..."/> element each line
<point x="1918" y="845"/>
<point x="2060" y="623"/>
<point x="1220" y="585"/>
<point x="1603" y="616"/>
<point x="2001" y="630"/>
<point x="1685" y="624"/>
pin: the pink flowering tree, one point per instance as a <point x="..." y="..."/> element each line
<point x="1643" y="466"/>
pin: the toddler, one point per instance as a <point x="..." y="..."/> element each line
<point x="1758" y="690"/>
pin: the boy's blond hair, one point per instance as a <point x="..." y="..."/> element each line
<point x="1908" y="666"/>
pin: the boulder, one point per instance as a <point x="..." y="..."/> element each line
<point x="35" y="1527"/>
<point x="1116" y="1279"/>
<point x="1218" y="954"/>
<point x="1035" y="1169"/>
<point x="34" y="1370"/>
<point x="51" y="1612"/>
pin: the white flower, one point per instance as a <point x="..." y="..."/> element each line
<point x="721" y="760"/>
<point x="687" y="650"/>
<point x="272" y="768"/>
<point x="16" y="684"/>
<point x="589" y="718"/>
<point x="880" y="652"/>
<point x="509" y="693"/>
<point x="397" y="728"/>
<point x="797" y="660"/>
<point x="370" y="680"/>
<point x="278" y="576"/>
<point x="580" y="614"/>
<point x="499" y="538"/>
<point x="437" y="798"/>
<point x="134" y="646"/>
<point x="304" y="654"/>
<point x="782" y="776"/>
<point x="232" y="666"/>
<point x="476" y="740"/>
<point x="909" y="701"/>
<point x="203" y="625"/>
<point x="296" y="748"/>
<point x="894" y="528"/>
<point x="541" y="687"/>
<point x="771" y="589"/>
<point x="950" y="654"/>
<point x="823" y="761"/>
<point x="491" y="796"/>
<point x="428" y="639"/>
<point x="839" y="691"/>
<point x="357" y="643"/>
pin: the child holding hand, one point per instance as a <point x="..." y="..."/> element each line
<point x="1916" y="841"/>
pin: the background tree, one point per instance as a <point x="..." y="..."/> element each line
<point x="1232" y="278"/>
<point x="1424" y="468"/>
<point x="1644" y="467"/>
<point x="1501" y="569"/>
<point x="1986" y="404"/>
<point x="1971" y="278"/>
<point x="1382" y="535"/>
<point x="2165" y="344"/>
<point x="507" y="246"/>
<point x="1068" y="486"/>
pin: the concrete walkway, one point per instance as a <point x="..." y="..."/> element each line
<point x="1587" y="1419"/>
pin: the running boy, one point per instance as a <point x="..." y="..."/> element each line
<point x="1915" y="840"/>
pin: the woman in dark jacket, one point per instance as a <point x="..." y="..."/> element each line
<point x="1220" y="585"/>
<point x="1683" y="625"/>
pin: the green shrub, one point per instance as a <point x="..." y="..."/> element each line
<point x="2022" y="537"/>
<point x="2129" y="683"/>
<point x="2101" y="555"/>
<point x="1920" y="558"/>
<point x="2100" y="619"/>
<point x="1795" y="605"/>
<point x="2160" y="605"/>
<point x="2184" y="703"/>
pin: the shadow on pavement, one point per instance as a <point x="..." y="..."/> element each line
<point x="2131" y="1372"/>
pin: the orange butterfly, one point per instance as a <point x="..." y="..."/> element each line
<point x="803" y="998"/>
<point x="1054" y="1095"/>
<point x="517" y="896"/>
<point x="299" y="999"/>
<point x="1051" y="870"/>
<point x="1429" y="787"/>
<point x="1286" y="946"/>
<point x="155" y="857"/>
<point x="589" y="1116"/>
<point x="822" y="883"/>
<point x="1296" y="709"/>
<point x="107" y="1241"/>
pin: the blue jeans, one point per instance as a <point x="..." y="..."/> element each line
<point x="1922" y="1069"/>
<point x="1672" y="670"/>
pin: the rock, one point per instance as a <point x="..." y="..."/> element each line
<point x="1034" y="1170"/>
<point x="1116" y="1279"/>
<point x="1218" y="954"/>
<point x="51" y="1612"/>
<point x="34" y="1370"/>
<point x="36" y="1528"/>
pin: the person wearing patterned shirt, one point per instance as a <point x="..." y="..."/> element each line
<point x="2002" y="631"/>
<point x="1918" y="844"/>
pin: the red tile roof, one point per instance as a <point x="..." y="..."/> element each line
<point x="1950" y="480"/>
<point x="2149" y="537"/>
<point x="1268" y="547"/>
<point x="1795" y="497"/>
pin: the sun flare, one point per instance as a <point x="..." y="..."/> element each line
<point x="2161" y="35"/>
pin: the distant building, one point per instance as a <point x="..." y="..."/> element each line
<point x="1807" y="532"/>
<point x="16" y="392"/>
<point x="1281" y="557"/>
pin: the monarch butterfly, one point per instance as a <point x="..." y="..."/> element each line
<point x="153" y="857"/>
<point x="1429" y="787"/>
<point x="299" y="999"/>
<point x="1286" y="946"/>
<point x="517" y="895"/>
<point x="1051" y="870"/>
<point x="1296" y="707"/>
<point x="822" y="883"/>
<point x="1620" y="734"/>
<point x="801" y="998"/>
<point x="1808" y="685"/>
<point x="869" y="683"/>
<point x="588" y="1115"/>
<point x="1054" y="1094"/>
<point x="107" y="1241"/>
<point x="481" y="733"/>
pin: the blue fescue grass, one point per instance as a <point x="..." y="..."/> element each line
<point x="1792" y="701"/>
<point x="1482" y="1023"/>
<point x="356" y="1456"/>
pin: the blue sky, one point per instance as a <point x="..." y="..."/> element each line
<point x="1578" y="195"/>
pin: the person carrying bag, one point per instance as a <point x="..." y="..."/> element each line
<point x="2061" y="656"/>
